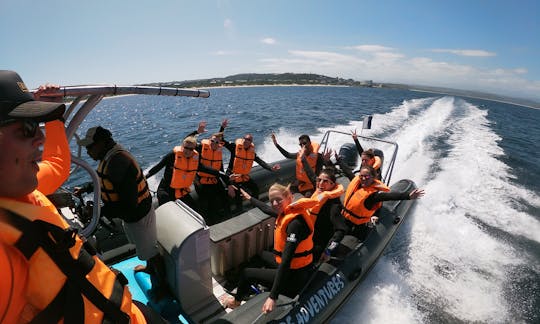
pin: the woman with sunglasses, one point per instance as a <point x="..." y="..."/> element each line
<point x="329" y="228"/>
<point x="364" y="197"/>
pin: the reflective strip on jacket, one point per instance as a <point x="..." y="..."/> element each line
<point x="303" y="255"/>
<point x="212" y="159"/>
<point x="183" y="172"/>
<point x="353" y="207"/>
<point x="304" y="183"/>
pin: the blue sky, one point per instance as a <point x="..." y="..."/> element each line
<point x="491" y="46"/>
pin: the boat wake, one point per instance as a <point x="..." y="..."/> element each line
<point x="459" y="257"/>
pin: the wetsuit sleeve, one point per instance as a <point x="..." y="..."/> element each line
<point x="286" y="153"/>
<point x="384" y="196"/>
<point x="214" y="172"/>
<point x="232" y="148"/>
<point x="56" y="160"/>
<point x="345" y="169"/>
<point x="262" y="163"/>
<point x="339" y="224"/>
<point x="263" y="207"/>
<point x="309" y="171"/>
<point x="359" y="147"/>
<point x="164" y="161"/>
<point x="297" y="231"/>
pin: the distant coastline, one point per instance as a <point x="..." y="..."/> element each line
<point x="307" y="79"/>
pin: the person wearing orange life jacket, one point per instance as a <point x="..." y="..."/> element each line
<point x="242" y="157"/>
<point x="213" y="198"/>
<point x="28" y="221"/>
<point x="368" y="156"/>
<point x="329" y="229"/>
<point x="293" y="249"/>
<point x="309" y="163"/>
<point x="364" y="196"/>
<point x="181" y="166"/>
<point x="125" y="195"/>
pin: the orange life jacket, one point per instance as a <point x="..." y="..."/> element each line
<point x="65" y="280"/>
<point x="183" y="172"/>
<point x="303" y="255"/>
<point x="304" y="183"/>
<point x="353" y="207"/>
<point x="323" y="197"/>
<point x="212" y="159"/>
<point x="243" y="161"/>
<point x="108" y="192"/>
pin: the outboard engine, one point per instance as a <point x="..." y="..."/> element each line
<point x="349" y="155"/>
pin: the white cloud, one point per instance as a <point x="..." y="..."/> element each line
<point x="372" y="48"/>
<point x="224" y="53"/>
<point x="228" y="23"/>
<point x="391" y="66"/>
<point x="465" y="52"/>
<point x="268" y="41"/>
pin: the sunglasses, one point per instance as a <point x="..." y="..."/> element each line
<point x="189" y="148"/>
<point x="214" y="141"/>
<point x="29" y="126"/>
<point x="365" y="176"/>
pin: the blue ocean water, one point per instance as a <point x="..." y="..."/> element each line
<point x="470" y="251"/>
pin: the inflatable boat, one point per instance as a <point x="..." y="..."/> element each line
<point x="202" y="261"/>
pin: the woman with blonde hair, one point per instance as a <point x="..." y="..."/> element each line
<point x="293" y="245"/>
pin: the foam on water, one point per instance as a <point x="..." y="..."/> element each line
<point x="447" y="266"/>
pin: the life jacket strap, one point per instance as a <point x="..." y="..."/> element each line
<point x="36" y="234"/>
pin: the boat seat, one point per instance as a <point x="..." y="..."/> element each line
<point x="238" y="239"/>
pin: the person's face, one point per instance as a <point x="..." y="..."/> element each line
<point x="305" y="144"/>
<point x="19" y="146"/>
<point x="366" y="179"/>
<point x="94" y="150"/>
<point x="214" y="143"/>
<point x="279" y="200"/>
<point x="247" y="141"/>
<point x="366" y="160"/>
<point x="188" y="149"/>
<point x="324" y="183"/>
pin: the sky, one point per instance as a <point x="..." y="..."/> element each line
<point x="491" y="46"/>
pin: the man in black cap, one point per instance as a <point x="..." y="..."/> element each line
<point x="125" y="195"/>
<point x="47" y="275"/>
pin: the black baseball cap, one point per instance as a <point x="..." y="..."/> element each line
<point x="95" y="134"/>
<point x="17" y="102"/>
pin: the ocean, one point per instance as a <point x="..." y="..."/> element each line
<point x="470" y="249"/>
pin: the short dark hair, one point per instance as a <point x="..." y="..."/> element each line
<point x="330" y="172"/>
<point x="304" y="137"/>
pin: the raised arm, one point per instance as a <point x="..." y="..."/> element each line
<point x="285" y="153"/>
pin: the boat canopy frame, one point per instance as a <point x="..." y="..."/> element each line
<point x="390" y="164"/>
<point x="86" y="98"/>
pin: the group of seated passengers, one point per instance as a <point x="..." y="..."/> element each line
<point x="300" y="239"/>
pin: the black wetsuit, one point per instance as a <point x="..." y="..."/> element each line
<point x="249" y="186"/>
<point x="362" y="230"/>
<point x="282" y="279"/>
<point x="329" y="227"/>
<point x="165" y="193"/>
